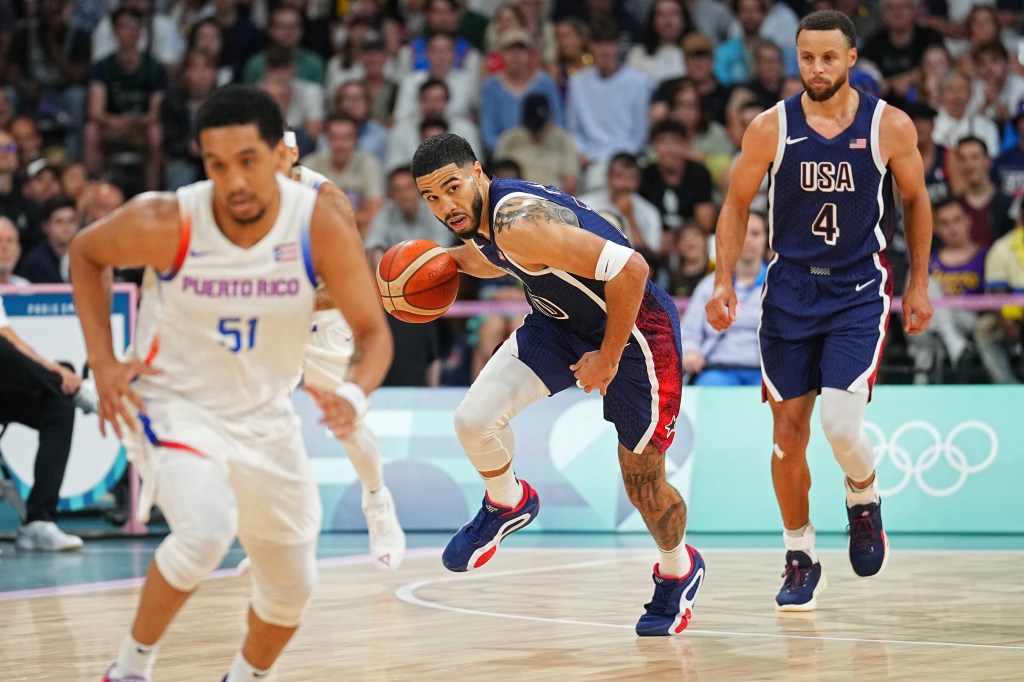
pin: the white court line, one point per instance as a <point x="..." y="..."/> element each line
<point x="407" y="594"/>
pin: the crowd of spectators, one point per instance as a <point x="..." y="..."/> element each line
<point x="639" y="106"/>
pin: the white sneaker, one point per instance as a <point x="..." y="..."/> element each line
<point x="86" y="398"/>
<point x="45" y="536"/>
<point x="387" y="541"/>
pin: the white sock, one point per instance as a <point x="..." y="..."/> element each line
<point x="504" y="489"/>
<point x="243" y="671"/>
<point x="676" y="562"/>
<point x="135" y="658"/>
<point x="856" y="496"/>
<point x="801" y="540"/>
<point x="364" y="453"/>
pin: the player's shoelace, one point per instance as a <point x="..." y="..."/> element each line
<point x="659" y="602"/>
<point x="862" y="532"/>
<point x="477" y="524"/>
<point x="794" y="576"/>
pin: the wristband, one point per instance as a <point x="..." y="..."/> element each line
<point x="353" y="393"/>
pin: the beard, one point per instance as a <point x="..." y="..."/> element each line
<point x="827" y="93"/>
<point x="474" y="220"/>
<point x="249" y="220"/>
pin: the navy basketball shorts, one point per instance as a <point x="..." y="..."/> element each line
<point x="643" y="399"/>
<point x="823" y="327"/>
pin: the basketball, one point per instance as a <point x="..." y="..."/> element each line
<point x="418" y="280"/>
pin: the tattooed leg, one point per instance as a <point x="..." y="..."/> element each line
<point x="660" y="505"/>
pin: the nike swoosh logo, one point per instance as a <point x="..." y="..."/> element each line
<point x="861" y="286"/>
<point x="790" y="140"/>
<point x="198" y="254"/>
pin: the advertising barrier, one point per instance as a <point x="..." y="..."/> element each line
<point x="44" y="316"/>
<point x="950" y="460"/>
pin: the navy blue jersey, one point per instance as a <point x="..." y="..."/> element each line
<point x="830" y="201"/>
<point x="576" y="303"/>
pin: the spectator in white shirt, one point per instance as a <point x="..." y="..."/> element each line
<point x="159" y="36"/>
<point x="463" y="85"/>
<point x="955" y="122"/>
<point x="606" y="106"/>
<point x="433" y="103"/>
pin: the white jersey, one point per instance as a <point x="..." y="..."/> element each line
<point x="227" y="326"/>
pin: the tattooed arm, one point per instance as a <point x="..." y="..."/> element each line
<point x="538" y="233"/>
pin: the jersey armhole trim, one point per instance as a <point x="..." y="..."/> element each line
<point x="183" y="243"/>
<point x="307" y="251"/>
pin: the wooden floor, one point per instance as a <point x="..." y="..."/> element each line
<point x="567" y="615"/>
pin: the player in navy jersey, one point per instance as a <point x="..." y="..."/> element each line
<point x="833" y="156"/>
<point x="597" y="322"/>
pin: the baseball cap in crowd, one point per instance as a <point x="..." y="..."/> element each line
<point x="920" y="111"/>
<point x="536" y="111"/>
<point x="514" y="36"/>
<point x="697" y="43"/>
<point x="38" y="166"/>
<point x="372" y="40"/>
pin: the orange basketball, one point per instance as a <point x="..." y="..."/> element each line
<point x="418" y="280"/>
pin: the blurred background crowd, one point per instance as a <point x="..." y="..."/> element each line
<point x="636" y="106"/>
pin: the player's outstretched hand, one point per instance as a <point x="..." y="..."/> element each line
<point x="594" y="370"/>
<point x="721" y="307"/>
<point x="117" y="399"/>
<point x="339" y="414"/>
<point x="917" y="310"/>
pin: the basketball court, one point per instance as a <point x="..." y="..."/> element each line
<point x="549" y="607"/>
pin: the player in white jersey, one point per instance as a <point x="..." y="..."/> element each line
<point x="221" y="338"/>
<point x="328" y="355"/>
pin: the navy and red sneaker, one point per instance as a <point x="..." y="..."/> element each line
<point x="869" y="548"/>
<point x="477" y="541"/>
<point x="670" y="609"/>
<point x="802" y="582"/>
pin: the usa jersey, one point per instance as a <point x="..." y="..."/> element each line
<point x="576" y="303"/>
<point x="830" y="201"/>
<point x="227" y="326"/>
<point x="569" y="319"/>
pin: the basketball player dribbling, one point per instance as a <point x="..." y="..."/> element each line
<point x="220" y="340"/>
<point x="598" y="323"/>
<point x="832" y="153"/>
<point x="328" y="355"/>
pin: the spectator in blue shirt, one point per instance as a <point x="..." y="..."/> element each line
<point x="501" y="100"/>
<point x="732" y="357"/>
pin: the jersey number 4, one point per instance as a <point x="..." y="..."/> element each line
<point x="825" y="224"/>
<point x="238" y="334"/>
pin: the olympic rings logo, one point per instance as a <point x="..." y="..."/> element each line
<point x="942" y="452"/>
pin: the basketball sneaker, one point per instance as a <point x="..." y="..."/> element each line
<point x="477" y="541"/>
<point x="109" y="677"/>
<point x="802" y="581"/>
<point x="387" y="541"/>
<point x="669" y="611"/>
<point x="869" y="548"/>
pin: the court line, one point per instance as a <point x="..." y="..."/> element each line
<point x="407" y="594"/>
<point x="220" y="573"/>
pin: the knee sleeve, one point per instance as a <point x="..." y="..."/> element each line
<point x="842" y="419"/>
<point x="186" y="557"/>
<point x="503" y="389"/>
<point x="283" y="579"/>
